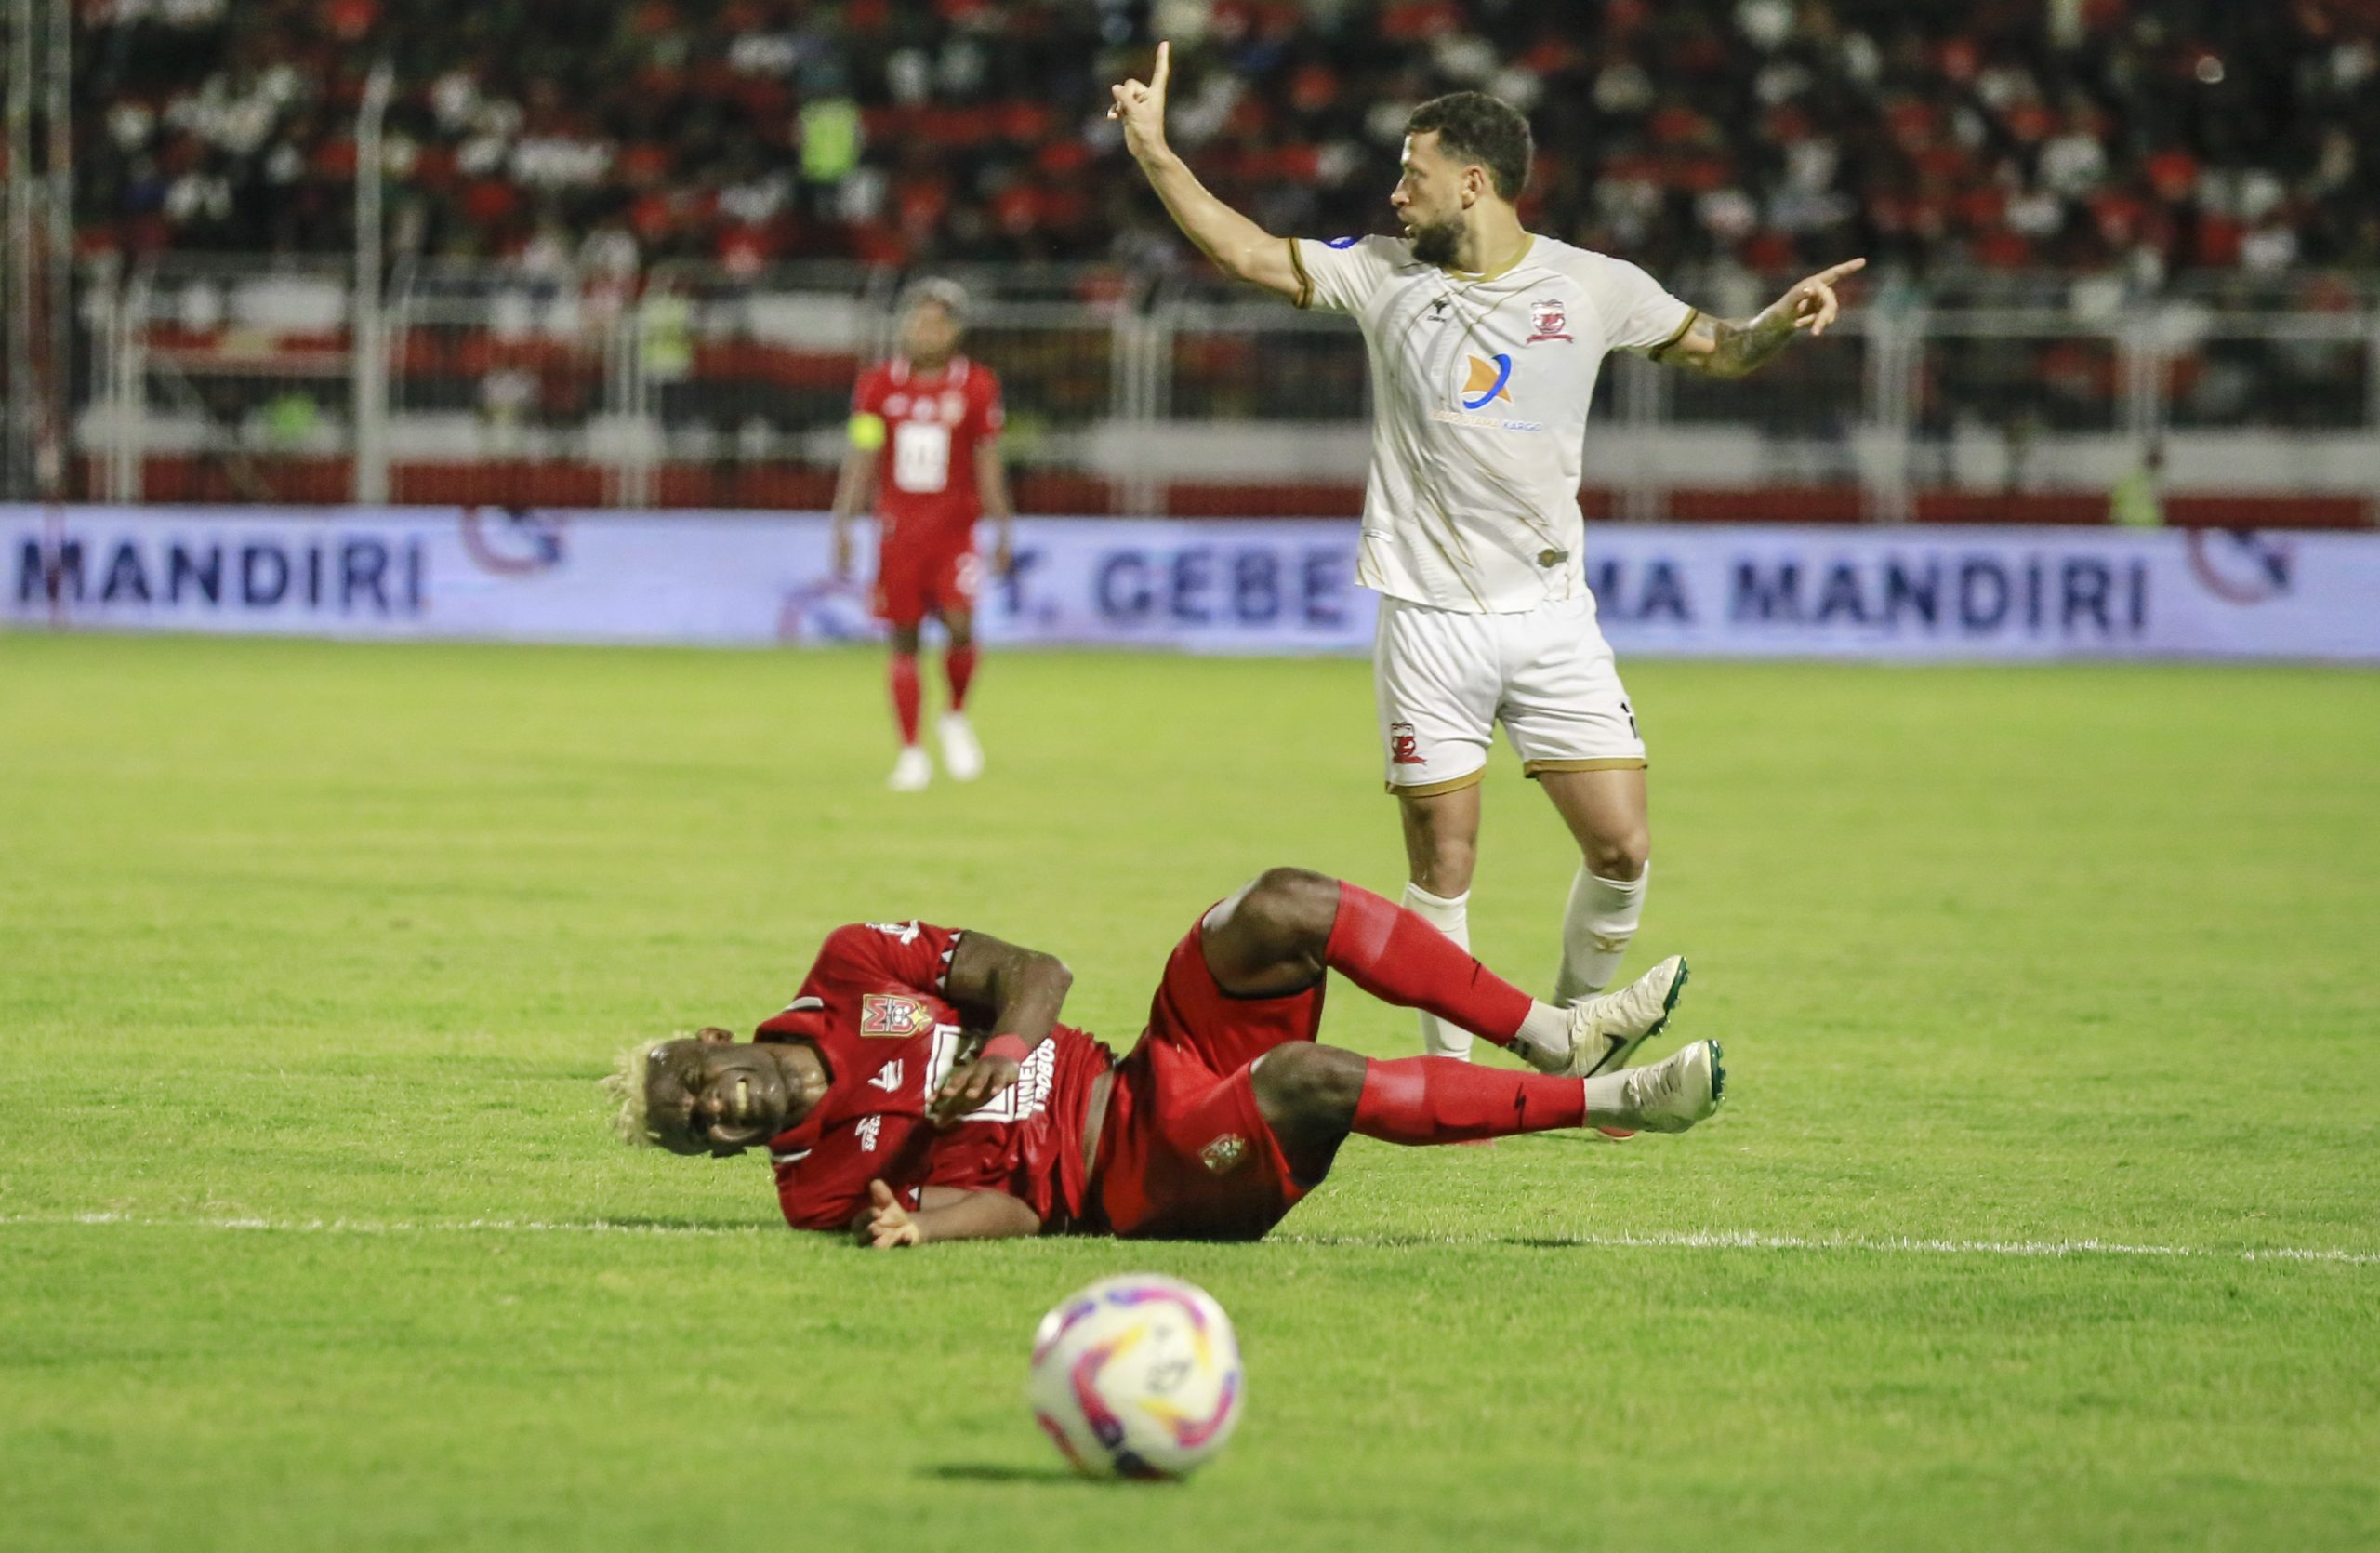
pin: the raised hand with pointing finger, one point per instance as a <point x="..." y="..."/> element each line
<point x="1239" y="247"/>
<point x="1812" y="303"/>
<point x="1141" y="107"/>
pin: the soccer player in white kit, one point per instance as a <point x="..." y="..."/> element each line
<point x="1484" y="341"/>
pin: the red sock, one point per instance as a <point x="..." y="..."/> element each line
<point x="1422" y="1100"/>
<point x="1400" y="959"/>
<point x="959" y="664"/>
<point x="904" y="694"/>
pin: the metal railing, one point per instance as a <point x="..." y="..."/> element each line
<point x="684" y="387"/>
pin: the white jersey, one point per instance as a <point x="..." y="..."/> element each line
<point x="1480" y="386"/>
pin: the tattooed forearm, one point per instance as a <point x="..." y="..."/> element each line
<point x="1724" y="348"/>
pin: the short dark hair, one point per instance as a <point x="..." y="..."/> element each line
<point x="1473" y="126"/>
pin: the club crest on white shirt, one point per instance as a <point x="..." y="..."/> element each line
<point x="1547" y="320"/>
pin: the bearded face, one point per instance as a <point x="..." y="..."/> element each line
<point x="1435" y="243"/>
<point x="1428" y="200"/>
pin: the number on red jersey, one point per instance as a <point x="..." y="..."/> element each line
<point x="932" y="427"/>
<point x="921" y="456"/>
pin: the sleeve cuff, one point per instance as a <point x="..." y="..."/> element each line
<point x="1676" y="335"/>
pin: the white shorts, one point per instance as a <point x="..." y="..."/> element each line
<point x="1443" y="679"/>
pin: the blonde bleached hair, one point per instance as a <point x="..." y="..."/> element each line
<point x="624" y="1086"/>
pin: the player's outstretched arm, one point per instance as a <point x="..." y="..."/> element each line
<point x="1724" y="348"/>
<point x="944" y="1213"/>
<point x="1239" y="247"/>
<point x="1016" y="993"/>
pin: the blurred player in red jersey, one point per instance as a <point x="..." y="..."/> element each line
<point x="925" y="452"/>
<point x="885" y="1111"/>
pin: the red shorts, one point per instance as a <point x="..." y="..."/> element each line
<point x="1184" y="1153"/>
<point x="913" y="579"/>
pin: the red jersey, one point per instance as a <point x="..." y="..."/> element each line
<point x="1028" y="1141"/>
<point x="933" y="423"/>
<point x="1184" y="1151"/>
<point x="875" y="1006"/>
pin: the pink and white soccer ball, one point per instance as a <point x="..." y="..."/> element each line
<point x="1137" y="1376"/>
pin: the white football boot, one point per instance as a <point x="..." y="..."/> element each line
<point x="1607" y="1027"/>
<point x="1668" y="1097"/>
<point x="961" y="756"/>
<point x="911" y="772"/>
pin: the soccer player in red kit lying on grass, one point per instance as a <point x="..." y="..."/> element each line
<point x="920" y="1088"/>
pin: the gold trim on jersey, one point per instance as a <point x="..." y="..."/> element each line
<point x="1529" y="241"/>
<point x="1432" y="789"/>
<point x="1305" y="283"/>
<point x="1534" y="769"/>
<point x="1692" y="315"/>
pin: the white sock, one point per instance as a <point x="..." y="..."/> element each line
<point x="1608" y="1101"/>
<point x="1451" y="917"/>
<point x="1543" y="1040"/>
<point x="1597" y="926"/>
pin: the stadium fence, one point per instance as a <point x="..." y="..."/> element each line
<point x="221" y="380"/>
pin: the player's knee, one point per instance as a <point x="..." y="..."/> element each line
<point x="1621" y="855"/>
<point x="1292" y="906"/>
<point x="905" y="641"/>
<point x="1310" y="1085"/>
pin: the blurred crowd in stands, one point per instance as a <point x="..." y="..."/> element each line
<point x="2132" y="139"/>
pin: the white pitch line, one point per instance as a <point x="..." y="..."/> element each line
<point x="1750" y="1239"/>
<point x="1743" y="1240"/>
<point x="387" y="1226"/>
<point x="1718" y="1240"/>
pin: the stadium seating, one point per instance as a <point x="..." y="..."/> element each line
<point x="637" y="253"/>
<point x="2187" y="135"/>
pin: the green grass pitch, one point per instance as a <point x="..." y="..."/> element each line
<point x="309" y="957"/>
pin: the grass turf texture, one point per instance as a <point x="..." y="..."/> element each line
<point x="298" y="933"/>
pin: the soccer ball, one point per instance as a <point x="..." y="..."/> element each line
<point x="1137" y="1376"/>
